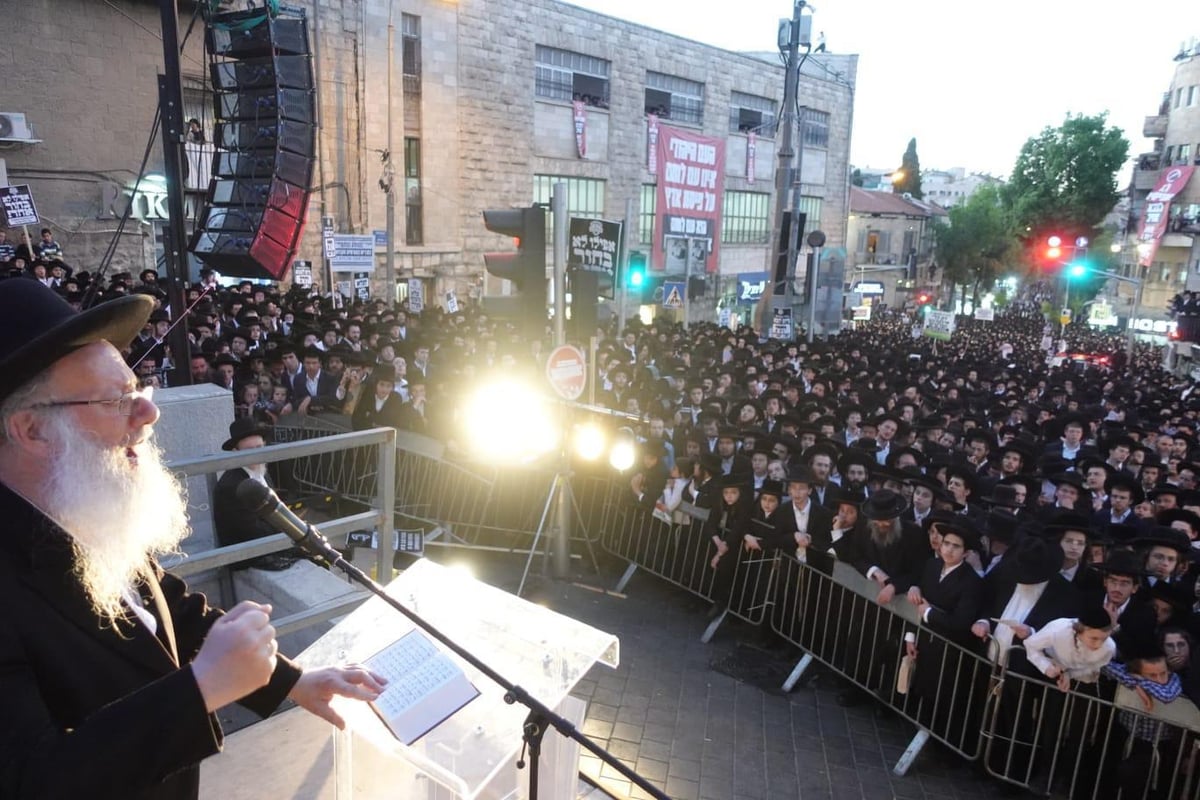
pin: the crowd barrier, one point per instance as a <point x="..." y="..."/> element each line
<point x="452" y="503"/>
<point x="1015" y="724"/>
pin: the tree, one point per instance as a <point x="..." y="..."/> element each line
<point x="976" y="244"/>
<point x="909" y="179"/>
<point x="1064" y="181"/>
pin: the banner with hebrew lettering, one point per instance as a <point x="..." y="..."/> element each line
<point x="687" y="214"/>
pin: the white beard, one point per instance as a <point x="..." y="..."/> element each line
<point x="119" y="516"/>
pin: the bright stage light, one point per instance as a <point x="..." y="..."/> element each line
<point x="623" y="451"/>
<point x="510" y="422"/>
<point x="589" y="442"/>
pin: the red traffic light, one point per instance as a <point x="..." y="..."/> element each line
<point x="922" y="298"/>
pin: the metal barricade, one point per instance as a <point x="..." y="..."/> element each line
<point x="1086" y="746"/>
<point x="831" y="614"/>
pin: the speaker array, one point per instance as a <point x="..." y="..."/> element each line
<point x="265" y="138"/>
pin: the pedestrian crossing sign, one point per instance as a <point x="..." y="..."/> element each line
<point x="673" y="295"/>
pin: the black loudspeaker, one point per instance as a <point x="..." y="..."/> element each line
<point x="254" y="211"/>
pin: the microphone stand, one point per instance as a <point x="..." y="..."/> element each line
<point x="540" y="717"/>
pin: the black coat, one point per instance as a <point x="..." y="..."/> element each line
<point x="390" y="416"/>
<point x="902" y="560"/>
<point x="232" y="522"/>
<point x="955" y="599"/>
<point x="820" y="526"/>
<point x="89" y="710"/>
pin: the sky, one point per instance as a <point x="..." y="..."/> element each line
<point x="971" y="80"/>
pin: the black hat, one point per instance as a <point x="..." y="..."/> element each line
<point x="800" y="474"/>
<point x="1003" y="495"/>
<point x="1169" y="515"/>
<point x="1175" y="594"/>
<point x="1161" y="536"/>
<point x="39" y="327"/>
<point x="855" y="456"/>
<point x="1123" y="480"/>
<point x="1070" y="479"/>
<point x="385" y="373"/>
<point x="1035" y="561"/>
<point x="711" y="463"/>
<point x="963" y="528"/>
<point x="738" y="480"/>
<point x="1122" y="562"/>
<point x="771" y="487"/>
<point x="1093" y="615"/>
<point x="1166" y="488"/>
<point x="245" y="427"/>
<point x="1067" y="520"/>
<point x="884" y="504"/>
<point x="1001" y="526"/>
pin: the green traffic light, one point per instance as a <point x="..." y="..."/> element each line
<point x="636" y="278"/>
<point x="1078" y="270"/>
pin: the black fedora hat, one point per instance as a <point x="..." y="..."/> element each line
<point x="1122" y="562"/>
<point x="244" y="427"/>
<point x="1161" y="536"/>
<point x="963" y="528"/>
<point x="1035" y="561"/>
<point x="39" y="327"/>
<point x="884" y="504"/>
<point x="1003" y="495"/>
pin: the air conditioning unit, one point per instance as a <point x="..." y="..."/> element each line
<point x="14" y="127"/>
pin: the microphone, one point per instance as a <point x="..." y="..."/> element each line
<point x="261" y="501"/>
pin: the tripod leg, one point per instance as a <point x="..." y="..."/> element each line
<point x="554" y="488"/>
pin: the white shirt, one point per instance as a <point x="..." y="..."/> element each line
<point x="802" y="527"/>
<point x="135" y="604"/>
<point x="1056" y="644"/>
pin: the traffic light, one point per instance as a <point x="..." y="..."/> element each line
<point x="526" y="268"/>
<point x="1076" y="270"/>
<point x="635" y="276"/>
<point x="1053" y="250"/>
<point x="924" y="301"/>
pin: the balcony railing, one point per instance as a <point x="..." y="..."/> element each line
<point x="1155" y="126"/>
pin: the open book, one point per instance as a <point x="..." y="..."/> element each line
<point x="424" y="686"/>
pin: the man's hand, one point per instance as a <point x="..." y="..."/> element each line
<point x="886" y="594"/>
<point x="973" y="560"/>
<point x="238" y="655"/>
<point x="1021" y="631"/>
<point x="1064" y="681"/>
<point x="1147" y="702"/>
<point x="315" y="689"/>
<point x="752" y="542"/>
<point x="637" y="482"/>
<point x="803" y="539"/>
<point x="914" y="595"/>
<point x="304" y="404"/>
<point x="880" y="577"/>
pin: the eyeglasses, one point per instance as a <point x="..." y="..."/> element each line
<point x="123" y="404"/>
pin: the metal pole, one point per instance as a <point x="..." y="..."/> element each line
<point x="793" y="243"/>
<point x="812" y="293"/>
<point x="558" y="207"/>
<point x="623" y="273"/>
<point x="326" y="272"/>
<point x="1133" y="312"/>
<point x="687" y="287"/>
<point x="390" y="258"/>
<point x="170" y="98"/>
<point x="784" y="170"/>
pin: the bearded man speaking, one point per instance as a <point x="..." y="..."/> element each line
<point x="110" y="671"/>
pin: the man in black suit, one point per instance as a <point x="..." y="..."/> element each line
<point x="803" y="521"/>
<point x="1071" y="446"/>
<point x="891" y="553"/>
<point x="382" y="408"/>
<point x="314" y="389"/>
<point x="230" y="520"/>
<point x="732" y="462"/>
<point x="113" y="672"/>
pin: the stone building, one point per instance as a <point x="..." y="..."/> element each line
<point x="482" y="113"/>
<point x="891" y="247"/>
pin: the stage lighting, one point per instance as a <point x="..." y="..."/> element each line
<point x="590" y="441"/>
<point x="510" y="422"/>
<point x="624" y="450"/>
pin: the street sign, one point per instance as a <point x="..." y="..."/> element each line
<point x="1064" y="316"/>
<point x="595" y="247"/>
<point x="302" y="273"/>
<point x="416" y="296"/>
<point x="724" y="317"/>
<point x="352" y="253"/>
<point x="362" y="285"/>
<point x="861" y="313"/>
<point x="985" y="314"/>
<point x="381" y="240"/>
<point x="673" y="294"/>
<point x="781" y="324"/>
<point x="18" y="205"/>
<point x="566" y="369"/>
<point x="452" y="302"/>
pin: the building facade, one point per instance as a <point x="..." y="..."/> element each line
<point x="484" y="115"/>
<point x="891" y="253"/>
<point x="1161" y="241"/>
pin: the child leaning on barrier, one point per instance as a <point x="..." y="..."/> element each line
<point x="1073" y="649"/>
<point x="1147" y="674"/>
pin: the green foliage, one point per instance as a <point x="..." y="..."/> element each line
<point x="910" y="165"/>
<point x="977" y="243"/>
<point x="1064" y="180"/>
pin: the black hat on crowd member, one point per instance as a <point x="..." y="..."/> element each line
<point x="1093" y="615"/>
<point x="710" y="463"/>
<point x="772" y="487"/>
<point x="1161" y="536"/>
<point x="1069" y="479"/>
<point x="1120" y="534"/>
<point x="1166" y="488"/>
<point x="848" y="497"/>
<point x="1003" y="495"/>
<point x="1035" y="561"/>
<point x="856" y="456"/>
<point x="1123" y="480"/>
<point x="884" y="504"/>
<point x="243" y="428"/>
<point x="384" y="373"/>
<point x="1122" y="562"/>
<point x="969" y="477"/>
<point x="800" y="474"/>
<point x="223" y="359"/>
<point x="1170" y="515"/>
<point x="736" y="480"/>
<point x="895" y="454"/>
<point x="1067" y="520"/>
<point x="961" y="527"/>
<point x="1001" y="525"/>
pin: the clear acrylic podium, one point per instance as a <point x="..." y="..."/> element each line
<point x="469" y="755"/>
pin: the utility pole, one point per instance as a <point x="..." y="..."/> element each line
<point x="389" y="170"/>
<point x="170" y="102"/>
<point x="785" y="172"/>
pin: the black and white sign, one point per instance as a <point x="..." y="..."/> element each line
<point x="595" y="247"/>
<point x="362" y="285"/>
<point x="416" y="296"/>
<point x="18" y="205"/>
<point x="781" y="324"/>
<point x="353" y="253"/>
<point x="302" y="273"/>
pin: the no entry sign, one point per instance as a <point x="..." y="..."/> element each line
<point x="566" y="369"/>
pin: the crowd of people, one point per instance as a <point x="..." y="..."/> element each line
<point x="1045" y="510"/>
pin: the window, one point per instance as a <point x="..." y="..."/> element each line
<point x="674" y="98"/>
<point x="414" y="232"/>
<point x="563" y="75"/>
<point x="811" y="208"/>
<point x="646" y="213"/>
<point x="1193" y="95"/>
<point x="748" y="112"/>
<point x="1170" y="151"/>
<point x="1178" y="97"/>
<point x="585" y="197"/>
<point x="747" y="218"/>
<point x="815" y="125"/>
<point x="410" y="56"/>
<point x="1185" y="153"/>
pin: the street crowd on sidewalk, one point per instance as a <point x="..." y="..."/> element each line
<point x="1015" y="498"/>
